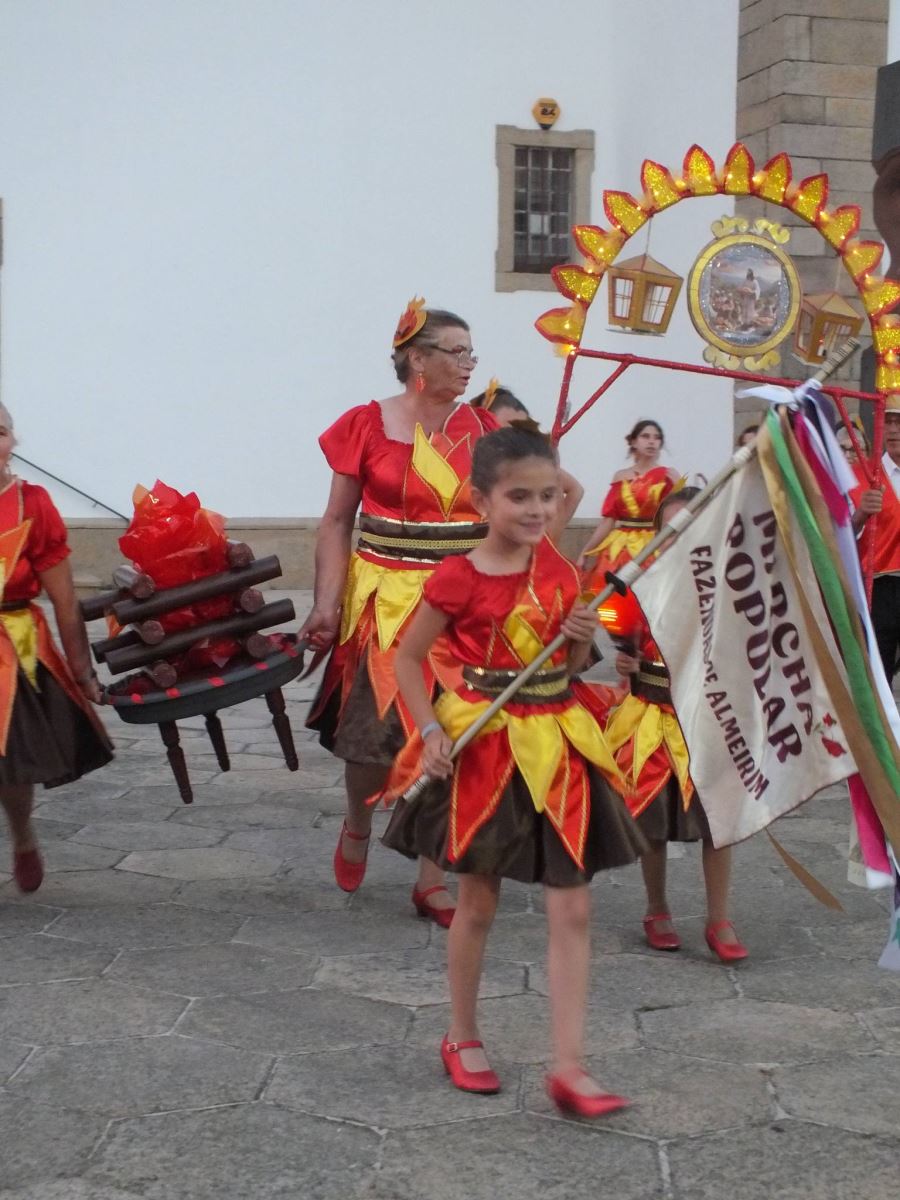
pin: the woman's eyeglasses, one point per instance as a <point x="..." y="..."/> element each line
<point x="462" y="356"/>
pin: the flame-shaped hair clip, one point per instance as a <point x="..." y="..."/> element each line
<point x="490" y="393"/>
<point x="412" y="320"/>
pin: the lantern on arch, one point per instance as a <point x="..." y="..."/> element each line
<point x="642" y="294"/>
<point x="826" y="321"/>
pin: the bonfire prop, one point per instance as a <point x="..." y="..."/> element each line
<point x="187" y="621"/>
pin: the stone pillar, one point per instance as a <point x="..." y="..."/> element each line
<point x="806" y="86"/>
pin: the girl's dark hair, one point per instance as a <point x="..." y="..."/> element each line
<point x="438" y="319"/>
<point x="639" y="427"/>
<point x="682" y="496"/>
<point x="503" y="398"/>
<point x="508" y="445"/>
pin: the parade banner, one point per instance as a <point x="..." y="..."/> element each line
<point x="723" y="607"/>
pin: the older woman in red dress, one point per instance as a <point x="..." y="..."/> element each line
<point x="404" y="462"/>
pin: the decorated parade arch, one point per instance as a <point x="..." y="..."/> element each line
<point x="772" y="183"/>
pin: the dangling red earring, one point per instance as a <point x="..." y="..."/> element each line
<point x="420" y="382"/>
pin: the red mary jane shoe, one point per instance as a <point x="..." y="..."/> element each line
<point x="727" y="952"/>
<point x="349" y="875"/>
<point x="28" y="870"/>
<point x="440" y="916"/>
<point x="568" y="1100"/>
<point x="660" y="939"/>
<point x="485" y="1083"/>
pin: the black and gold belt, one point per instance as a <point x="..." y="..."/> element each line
<point x="625" y="523"/>
<point x="542" y="688"/>
<point x="14" y="606"/>
<point x="652" y="683"/>
<point x="417" y="541"/>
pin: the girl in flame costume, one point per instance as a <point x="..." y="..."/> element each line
<point x="626" y="523"/>
<point x="49" y="733"/>
<point x="406" y="462"/>
<point x="528" y="798"/>
<point x="649" y="748"/>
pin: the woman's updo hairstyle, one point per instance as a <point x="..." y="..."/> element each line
<point x="639" y="427"/>
<point x="436" y="319"/>
<point x="681" y="496"/>
<point x="512" y="444"/>
<point x="501" y="398"/>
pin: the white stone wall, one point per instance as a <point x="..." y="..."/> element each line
<point x="214" y="212"/>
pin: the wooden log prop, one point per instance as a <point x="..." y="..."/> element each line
<point x="257" y="645"/>
<point x="129" y="638"/>
<point x="136" y="583"/>
<point x="162" y="673"/>
<point x="239" y="554"/>
<point x="250" y="600"/>
<point x="151" y="633"/>
<point x="177" y="643"/>
<point x="185" y="594"/>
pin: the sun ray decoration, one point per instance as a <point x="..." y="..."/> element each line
<point x="739" y="176"/>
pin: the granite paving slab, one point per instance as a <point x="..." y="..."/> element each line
<point x="295" y="1021"/>
<point x="634" y="981"/>
<point x="146" y="835"/>
<point x="851" y="984"/>
<point x="518" y="1156"/>
<point x="140" y="1075"/>
<point x="16" y="919"/>
<point x="337" y="932"/>
<point x="517" y="1028"/>
<point x="754" y="1031"/>
<point x="84" y="1010"/>
<point x="884" y="1025"/>
<point x="406" y="1086"/>
<point x="40" y="1143"/>
<point x="858" y="1092"/>
<point x="787" y="1161"/>
<point x="41" y="957"/>
<point x="73" y="889"/>
<point x="211" y="862"/>
<point x="234" y="1153"/>
<point x="146" y="925"/>
<point x="12" y="1055"/>
<point x="213" y="970"/>
<point x="673" y="1096"/>
<point x="66" y="1189"/>
<point x="260" y="897"/>
<point x="410" y="977"/>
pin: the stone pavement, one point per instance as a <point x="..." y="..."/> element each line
<point x="191" y="1010"/>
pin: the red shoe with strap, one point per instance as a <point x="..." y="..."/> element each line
<point x="28" y="870"/>
<point x="580" y="1104"/>
<point x="484" y="1083"/>
<point x="440" y="916"/>
<point x="349" y="875"/>
<point x="661" y="939"/>
<point x="727" y="952"/>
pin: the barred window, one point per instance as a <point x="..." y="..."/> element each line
<point x="544" y="189"/>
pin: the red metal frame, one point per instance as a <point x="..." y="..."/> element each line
<point x="871" y="467"/>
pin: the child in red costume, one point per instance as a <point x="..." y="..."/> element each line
<point x="646" y="740"/>
<point x="528" y="798"/>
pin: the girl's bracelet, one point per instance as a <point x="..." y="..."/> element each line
<point x="430" y="728"/>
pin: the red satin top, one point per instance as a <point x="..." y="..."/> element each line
<point x="357" y="445"/>
<point x="47" y="539"/>
<point x="637" y="499"/>
<point x="479" y="605"/>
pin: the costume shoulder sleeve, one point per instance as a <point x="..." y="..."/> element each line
<point x="488" y="421"/>
<point x="610" y="504"/>
<point x="449" y="587"/>
<point x="48" y="541"/>
<point x="344" y="443"/>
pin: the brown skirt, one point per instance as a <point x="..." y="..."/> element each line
<point x="358" y="734"/>
<point x="518" y="842"/>
<point x="665" y="820"/>
<point x="51" y="740"/>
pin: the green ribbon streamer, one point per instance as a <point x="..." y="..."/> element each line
<point x="864" y="698"/>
